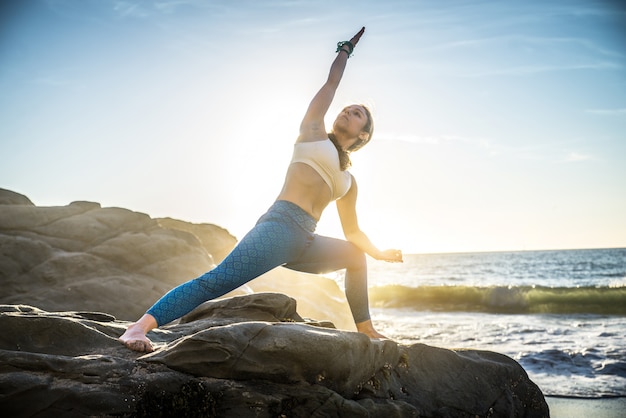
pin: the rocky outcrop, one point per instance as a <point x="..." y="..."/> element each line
<point x="8" y="197"/>
<point x="250" y="354"/>
<point x="83" y="256"/>
<point x="247" y="356"/>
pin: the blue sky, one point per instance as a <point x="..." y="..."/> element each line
<point x="500" y="125"/>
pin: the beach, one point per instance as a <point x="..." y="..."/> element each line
<point x="586" y="408"/>
<point x="560" y="314"/>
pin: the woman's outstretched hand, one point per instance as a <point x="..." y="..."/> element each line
<point x="355" y="38"/>
<point x="393" y="256"/>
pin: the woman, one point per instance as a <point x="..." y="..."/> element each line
<point x="285" y="234"/>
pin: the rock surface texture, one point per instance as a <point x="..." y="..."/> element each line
<point x="85" y="257"/>
<point x="244" y="356"/>
<point x="247" y="356"/>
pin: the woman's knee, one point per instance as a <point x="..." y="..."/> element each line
<point x="356" y="257"/>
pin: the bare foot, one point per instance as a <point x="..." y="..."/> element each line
<point x="375" y="334"/>
<point x="367" y="328"/>
<point x="135" y="339"/>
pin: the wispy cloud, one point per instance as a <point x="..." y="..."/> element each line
<point x="413" y="139"/>
<point x="608" y="112"/>
<point x="528" y="43"/>
<point x="126" y="9"/>
<point x="521" y="55"/>
<point x="171" y="6"/>
<point x="145" y="9"/>
<point x="538" y="69"/>
<point x="441" y="139"/>
<point x="574" y="157"/>
<point x="546" y="152"/>
<point x="57" y="82"/>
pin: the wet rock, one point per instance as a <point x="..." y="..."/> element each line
<point x="263" y="360"/>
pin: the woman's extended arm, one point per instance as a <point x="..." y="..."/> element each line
<point x="346" y="207"/>
<point x="312" y="126"/>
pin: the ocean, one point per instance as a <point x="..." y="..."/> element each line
<point x="560" y="314"/>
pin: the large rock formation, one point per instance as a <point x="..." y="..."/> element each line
<point x="251" y="355"/>
<point x="82" y="256"/>
<point x="85" y="257"/>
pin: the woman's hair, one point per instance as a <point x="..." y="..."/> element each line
<point x="344" y="156"/>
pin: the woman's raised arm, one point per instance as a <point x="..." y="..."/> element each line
<point x="312" y="126"/>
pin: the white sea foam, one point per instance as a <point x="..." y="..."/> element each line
<point x="578" y="355"/>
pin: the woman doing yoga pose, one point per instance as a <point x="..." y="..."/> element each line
<point x="285" y="234"/>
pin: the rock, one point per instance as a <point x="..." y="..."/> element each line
<point x="89" y="270"/>
<point x="246" y="356"/>
<point x="85" y="257"/>
<point x="216" y="240"/>
<point x="8" y="197"/>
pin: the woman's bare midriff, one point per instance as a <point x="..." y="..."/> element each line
<point x="305" y="187"/>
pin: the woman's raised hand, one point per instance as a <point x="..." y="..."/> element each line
<point x="355" y="38"/>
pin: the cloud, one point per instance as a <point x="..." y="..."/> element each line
<point x="128" y="9"/>
<point x="493" y="149"/>
<point x="538" y="69"/>
<point x="529" y="42"/>
<point x="56" y="81"/>
<point x="608" y="112"/>
<point x="171" y="6"/>
<point x="433" y="140"/>
<point x="144" y="9"/>
<point x="574" y="157"/>
<point x="441" y="139"/>
<point x="521" y="55"/>
<point x="412" y="139"/>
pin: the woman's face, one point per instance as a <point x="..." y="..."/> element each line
<point x="351" y="122"/>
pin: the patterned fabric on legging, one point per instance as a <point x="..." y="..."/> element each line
<point x="284" y="236"/>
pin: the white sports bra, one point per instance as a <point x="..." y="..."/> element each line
<point x="322" y="156"/>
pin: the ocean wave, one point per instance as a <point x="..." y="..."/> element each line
<point x="512" y="300"/>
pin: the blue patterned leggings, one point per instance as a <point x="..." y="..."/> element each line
<point x="284" y="236"/>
